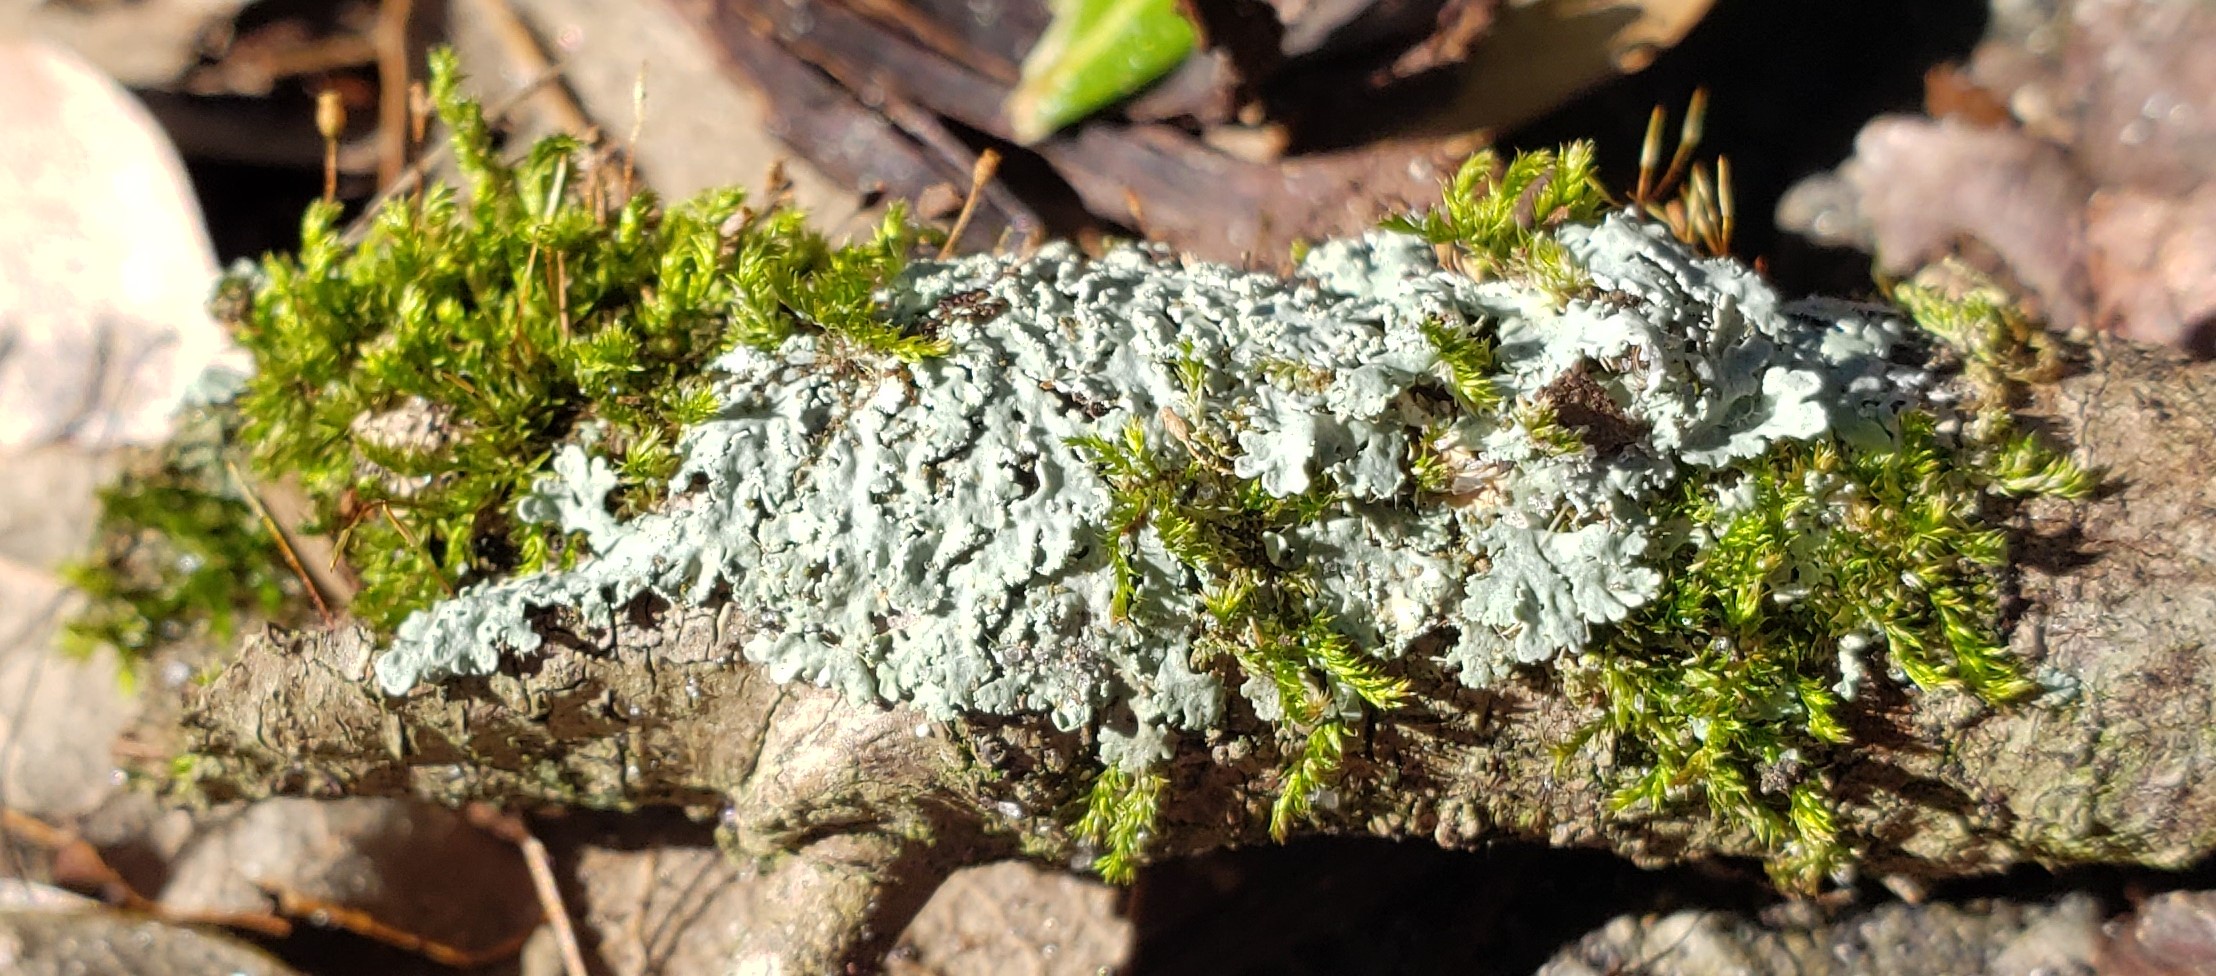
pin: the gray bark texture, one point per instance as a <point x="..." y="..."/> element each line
<point x="864" y="809"/>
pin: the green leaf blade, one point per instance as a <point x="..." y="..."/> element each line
<point x="1093" y="54"/>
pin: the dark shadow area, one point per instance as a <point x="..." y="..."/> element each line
<point x="1367" y="908"/>
<point x="252" y="210"/>
<point x="336" y="952"/>
<point x="1348" y="907"/>
<point x="2119" y="887"/>
<point x="1790" y="84"/>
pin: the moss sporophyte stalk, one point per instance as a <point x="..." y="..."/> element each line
<point x="1145" y="496"/>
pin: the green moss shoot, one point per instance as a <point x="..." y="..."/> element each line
<point x="181" y="555"/>
<point x="1119" y="813"/>
<point x="542" y="303"/>
<point x="1259" y="614"/>
<point x="1543" y="424"/>
<point x="1469" y="363"/>
<point x="1497" y="220"/>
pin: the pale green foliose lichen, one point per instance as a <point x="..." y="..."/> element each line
<point x="925" y="533"/>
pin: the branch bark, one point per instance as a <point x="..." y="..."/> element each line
<point x="2117" y="593"/>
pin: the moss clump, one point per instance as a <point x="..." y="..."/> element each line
<point x="1259" y="608"/>
<point x="417" y="382"/>
<point x="1999" y="347"/>
<point x="182" y="554"/>
<point x="1497" y="220"/>
<point x="1735" y="685"/>
<point x="1732" y="686"/>
<point x="414" y="383"/>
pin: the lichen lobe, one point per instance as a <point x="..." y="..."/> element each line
<point x="926" y="533"/>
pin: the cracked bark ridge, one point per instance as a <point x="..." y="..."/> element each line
<point x="836" y="797"/>
<point x="2117" y="594"/>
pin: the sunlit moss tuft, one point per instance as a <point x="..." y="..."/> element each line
<point x="1120" y="811"/>
<point x="1258" y="613"/>
<point x="542" y="302"/>
<point x="1498" y="220"/>
<point x="1729" y="689"/>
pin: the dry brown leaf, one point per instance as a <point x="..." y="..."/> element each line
<point x="1923" y="186"/>
<point x="2089" y="174"/>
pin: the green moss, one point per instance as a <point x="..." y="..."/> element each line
<point x="1119" y="815"/>
<point x="542" y="303"/>
<point x="414" y="382"/>
<point x="1260" y="607"/>
<point x="1999" y="345"/>
<point x="1724" y="688"/>
<point x="2000" y="350"/>
<point x="1730" y="688"/>
<point x="182" y="554"/>
<point x="1498" y="219"/>
<point x="2021" y="465"/>
<point x="1543" y="425"/>
<point x="1469" y="361"/>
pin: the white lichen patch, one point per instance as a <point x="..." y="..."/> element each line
<point x="927" y="534"/>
